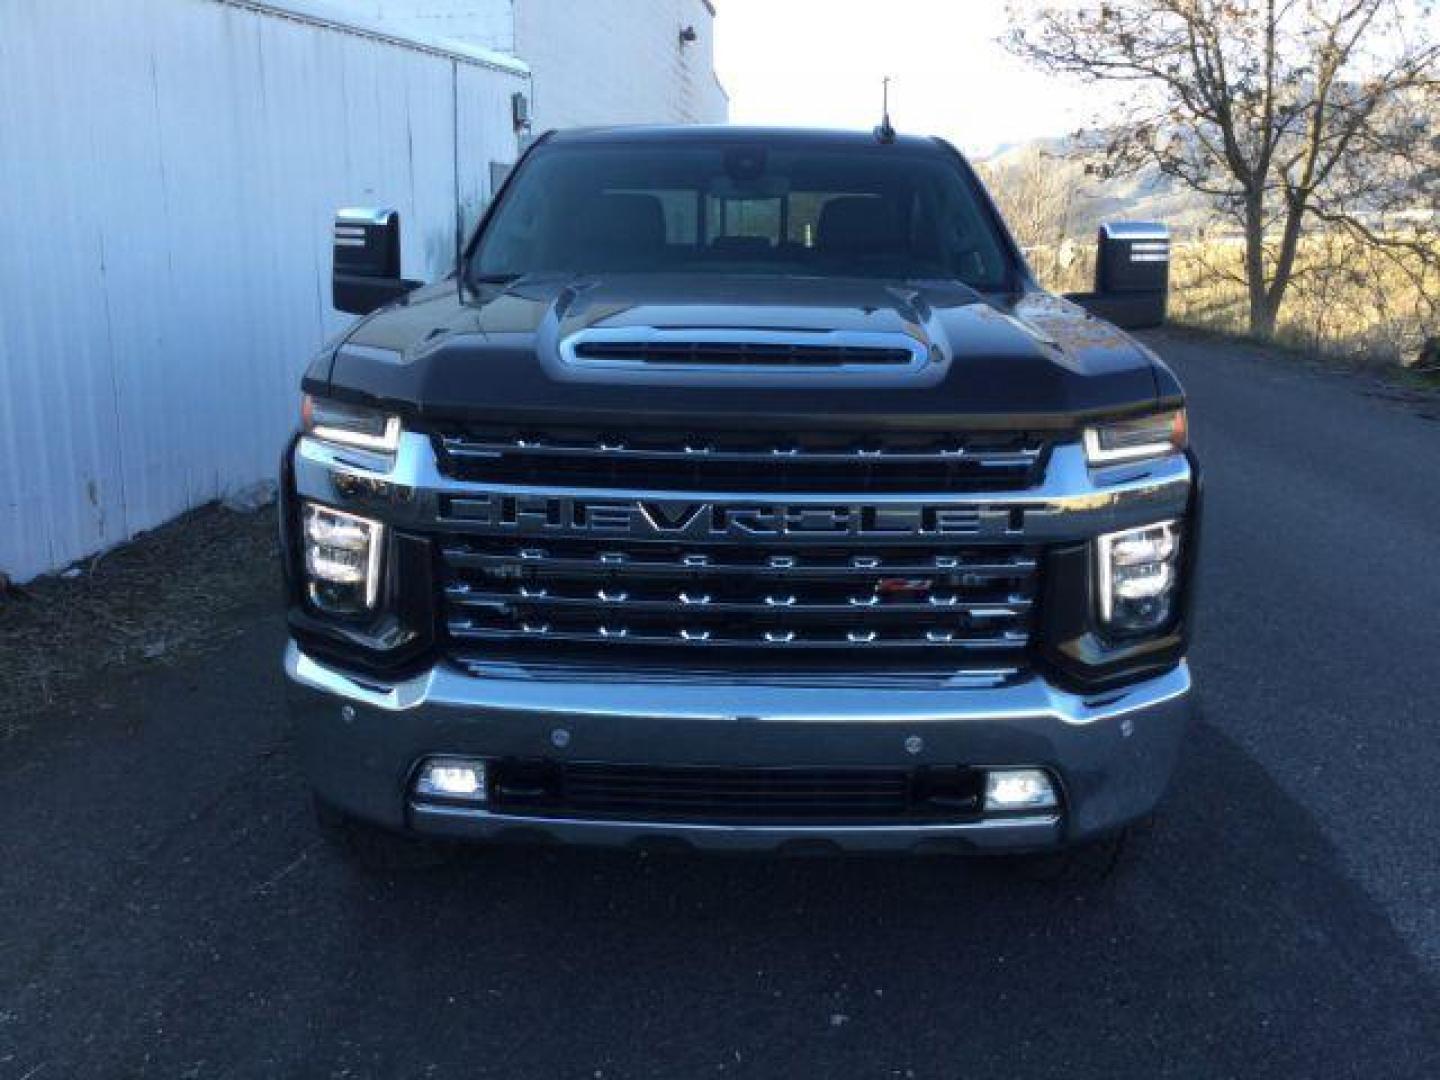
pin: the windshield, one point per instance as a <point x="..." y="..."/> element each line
<point x="851" y="211"/>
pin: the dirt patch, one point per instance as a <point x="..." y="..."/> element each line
<point x="166" y="594"/>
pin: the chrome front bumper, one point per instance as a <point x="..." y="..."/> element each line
<point x="1113" y="753"/>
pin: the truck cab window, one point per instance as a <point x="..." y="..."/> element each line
<point x="858" y="211"/>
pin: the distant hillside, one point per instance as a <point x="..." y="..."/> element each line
<point x="1147" y="196"/>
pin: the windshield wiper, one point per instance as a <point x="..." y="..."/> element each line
<point x="474" y="282"/>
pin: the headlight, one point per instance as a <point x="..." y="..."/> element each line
<point x="350" y="425"/>
<point x="342" y="560"/>
<point x="1142" y="437"/>
<point x="1137" y="571"/>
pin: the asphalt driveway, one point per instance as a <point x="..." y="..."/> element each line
<point x="167" y="910"/>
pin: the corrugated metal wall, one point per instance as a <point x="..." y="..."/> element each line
<point x="169" y="169"/>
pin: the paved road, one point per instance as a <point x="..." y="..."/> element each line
<point x="166" y="911"/>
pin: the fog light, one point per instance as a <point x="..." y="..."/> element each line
<point x="1018" y="789"/>
<point x="446" y="778"/>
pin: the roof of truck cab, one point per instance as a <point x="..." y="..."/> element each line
<point x="726" y="133"/>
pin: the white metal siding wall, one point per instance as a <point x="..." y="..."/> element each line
<point x="490" y="23"/>
<point x="170" y="169"/>
<point x="594" y="61"/>
<point x="619" y="62"/>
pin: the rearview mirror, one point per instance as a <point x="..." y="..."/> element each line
<point x="1132" y="274"/>
<point x="367" y="261"/>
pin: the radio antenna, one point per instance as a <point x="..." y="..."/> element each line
<point x="885" y="133"/>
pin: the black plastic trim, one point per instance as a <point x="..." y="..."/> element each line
<point x="400" y="637"/>
<point x="1070" y="648"/>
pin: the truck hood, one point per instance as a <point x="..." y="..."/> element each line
<point x="1032" y="361"/>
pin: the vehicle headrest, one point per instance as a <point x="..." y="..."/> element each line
<point x="858" y="224"/>
<point x="625" y="222"/>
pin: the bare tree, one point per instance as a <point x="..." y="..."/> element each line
<point x="1036" y="190"/>
<point x="1284" y="112"/>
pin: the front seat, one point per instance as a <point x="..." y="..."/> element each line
<point x="858" y="225"/>
<point x="625" y="228"/>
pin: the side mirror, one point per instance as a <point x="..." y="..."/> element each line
<point x="367" y="261"/>
<point x="1132" y="274"/>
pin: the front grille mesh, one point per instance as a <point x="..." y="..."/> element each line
<point x="684" y="793"/>
<point x="699" y="460"/>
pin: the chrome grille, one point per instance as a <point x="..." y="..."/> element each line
<point x="562" y="596"/>
<point x="700" y="460"/>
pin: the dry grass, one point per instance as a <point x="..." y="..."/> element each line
<point x="166" y="594"/>
<point x="1346" y="302"/>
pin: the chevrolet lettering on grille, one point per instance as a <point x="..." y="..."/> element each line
<point x="686" y="520"/>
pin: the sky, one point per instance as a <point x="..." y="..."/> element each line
<point x="819" y="63"/>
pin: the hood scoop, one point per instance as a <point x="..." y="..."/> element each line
<point x="771" y="357"/>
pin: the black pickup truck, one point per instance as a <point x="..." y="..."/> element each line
<point x="741" y="489"/>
